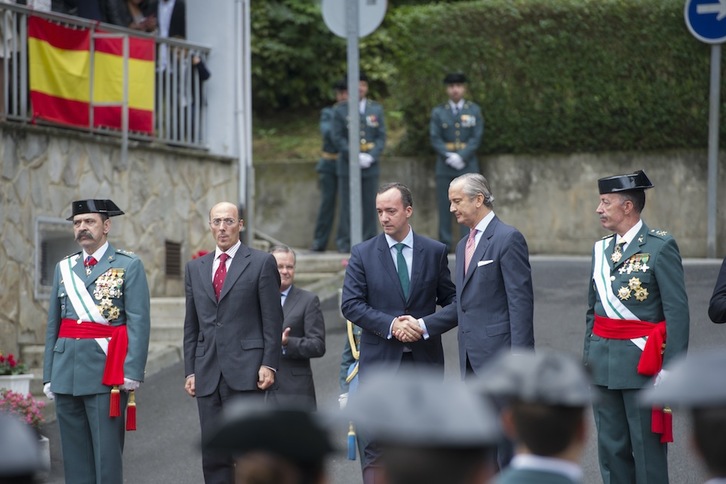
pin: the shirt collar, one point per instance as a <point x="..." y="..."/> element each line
<point x="286" y="292"/>
<point x="630" y="234"/>
<point x="407" y="241"/>
<point x="98" y="254"/>
<point x="549" y="464"/>
<point x="484" y="223"/>
<point x="458" y="105"/>
<point x="230" y="252"/>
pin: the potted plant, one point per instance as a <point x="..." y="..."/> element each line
<point x="14" y="375"/>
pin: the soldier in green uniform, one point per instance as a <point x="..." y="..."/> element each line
<point x="327" y="172"/>
<point x="96" y="346"/>
<point x="456" y="131"/>
<point x="372" y="141"/>
<point x="637" y="321"/>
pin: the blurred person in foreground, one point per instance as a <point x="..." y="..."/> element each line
<point x="697" y="382"/>
<point x="429" y="431"/>
<point x="20" y="460"/>
<point x="547" y="395"/>
<point x="272" y="445"/>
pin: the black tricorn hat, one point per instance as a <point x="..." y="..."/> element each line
<point x="455" y="78"/>
<point x="105" y="207"/>
<point x="292" y="433"/>
<point x="621" y="183"/>
<point x="340" y="85"/>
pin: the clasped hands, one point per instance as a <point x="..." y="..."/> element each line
<point x="406" y="329"/>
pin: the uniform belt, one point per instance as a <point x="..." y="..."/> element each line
<point x="366" y="146"/>
<point x="455" y="146"/>
<point x="329" y="156"/>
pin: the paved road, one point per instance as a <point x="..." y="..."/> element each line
<point x="165" y="449"/>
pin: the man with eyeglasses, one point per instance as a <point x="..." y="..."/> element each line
<point x="232" y="328"/>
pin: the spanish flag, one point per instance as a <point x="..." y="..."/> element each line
<point x="60" y="80"/>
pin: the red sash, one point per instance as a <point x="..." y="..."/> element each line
<point x="651" y="360"/>
<point x="113" y="373"/>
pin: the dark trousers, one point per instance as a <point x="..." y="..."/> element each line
<point x="328" y="184"/>
<point x="218" y="468"/>
<point x="445" y="216"/>
<point x="92" y="442"/>
<point x="369" y="187"/>
<point x="628" y="450"/>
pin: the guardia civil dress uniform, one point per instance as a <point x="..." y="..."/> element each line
<point x="372" y="141"/>
<point x="641" y="285"/>
<point x="458" y="132"/>
<point x="116" y="288"/>
<point x="327" y="181"/>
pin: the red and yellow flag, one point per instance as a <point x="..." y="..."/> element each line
<point x="60" y="77"/>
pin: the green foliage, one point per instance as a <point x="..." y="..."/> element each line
<point x="557" y="75"/>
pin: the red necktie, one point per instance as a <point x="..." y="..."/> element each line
<point x="469" y="251"/>
<point x="89" y="263"/>
<point x="221" y="273"/>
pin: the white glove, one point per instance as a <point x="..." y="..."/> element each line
<point x="365" y="160"/>
<point x="343" y="400"/>
<point x="455" y="161"/>
<point x="48" y="393"/>
<point x="660" y="377"/>
<point x="130" y="385"/>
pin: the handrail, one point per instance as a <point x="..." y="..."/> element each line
<point x="180" y="112"/>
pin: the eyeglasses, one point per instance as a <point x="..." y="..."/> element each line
<point x="216" y="222"/>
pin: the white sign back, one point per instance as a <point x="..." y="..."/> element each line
<point x="370" y="16"/>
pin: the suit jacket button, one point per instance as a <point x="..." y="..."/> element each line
<point x="218" y="324"/>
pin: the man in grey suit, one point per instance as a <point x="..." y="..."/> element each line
<point x="495" y="301"/>
<point x="232" y="328"/>
<point x="303" y="335"/>
<point x="395" y="273"/>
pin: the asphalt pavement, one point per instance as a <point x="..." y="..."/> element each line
<point x="165" y="449"/>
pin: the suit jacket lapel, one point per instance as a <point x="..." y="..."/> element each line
<point x="239" y="263"/>
<point x="633" y="246"/>
<point x="290" y="301"/>
<point x="480" y="248"/>
<point x="416" y="275"/>
<point x="205" y="274"/>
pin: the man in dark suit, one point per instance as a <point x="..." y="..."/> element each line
<point x="396" y="273"/>
<point x="636" y="291"/>
<point x="232" y="328"/>
<point x="99" y="300"/>
<point x="717" y="304"/>
<point x="303" y="336"/>
<point x="372" y="141"/>
<point x="495" y="301"/>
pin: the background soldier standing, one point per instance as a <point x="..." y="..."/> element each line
<point x="99" y="299"/>
<point x="456" y="130"/>
<point x="327" y="172"/>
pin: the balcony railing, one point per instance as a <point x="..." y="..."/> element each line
<point x="180" y="111"/>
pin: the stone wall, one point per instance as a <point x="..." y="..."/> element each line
<point x="551" y="199"/>
<point x="166" y="194"/>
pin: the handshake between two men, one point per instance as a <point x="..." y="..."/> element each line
<point x="407" y="329"/>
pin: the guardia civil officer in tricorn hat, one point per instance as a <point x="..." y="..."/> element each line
<point x="637" y="292"/>
<point x="96" y="346"/>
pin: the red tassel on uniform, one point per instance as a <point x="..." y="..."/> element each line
<point x="131" y="412"/>
<point x="667" y="435"/>
<point x="115" y="410"/>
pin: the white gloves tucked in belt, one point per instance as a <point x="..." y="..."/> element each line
<point x="365" y="160"/>
<point x="455" y="161"/>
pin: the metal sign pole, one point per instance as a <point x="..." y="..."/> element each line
<point x="356" y="230"/>
<point x="713" y="128"/>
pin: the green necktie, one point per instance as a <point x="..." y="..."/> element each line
<point x="402" y="269"/>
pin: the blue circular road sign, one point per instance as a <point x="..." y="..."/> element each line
<point x="706" y="19"/>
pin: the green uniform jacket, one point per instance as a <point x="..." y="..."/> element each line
<point x="372" y="136"/>
<point x="649" y="281"/>
<point x="462" y="133"/>
<point x="75" y="366"/>
<point x="326" y="131"/>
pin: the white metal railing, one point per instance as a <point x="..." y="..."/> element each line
<point x="180" y="111"/>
